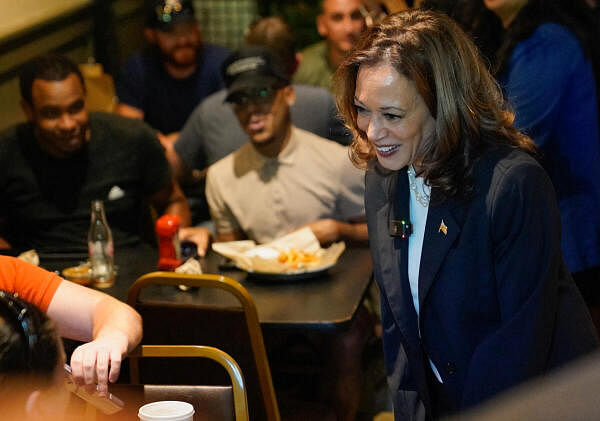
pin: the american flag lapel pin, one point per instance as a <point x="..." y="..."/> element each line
<point x="443" y="228"/>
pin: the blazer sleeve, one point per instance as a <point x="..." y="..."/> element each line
<point x="525" y="233"/>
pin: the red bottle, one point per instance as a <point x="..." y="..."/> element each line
<point x="167" y="228"/>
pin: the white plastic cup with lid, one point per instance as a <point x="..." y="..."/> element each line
<point x="166" y="411"/>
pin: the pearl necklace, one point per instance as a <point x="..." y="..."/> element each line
<point x="422" y="198"/>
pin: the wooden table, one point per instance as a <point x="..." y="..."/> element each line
<point x="319" y="310"/>
<point x="326" y="301"/>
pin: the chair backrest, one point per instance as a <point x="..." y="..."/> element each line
<point x="211" y="402"/>
<point x="234" y="329"/>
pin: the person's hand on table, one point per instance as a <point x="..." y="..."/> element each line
<point x="99" y="361"/>
<point x="198" y="235"/>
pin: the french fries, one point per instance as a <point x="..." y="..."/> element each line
<point x="296" y="259"/>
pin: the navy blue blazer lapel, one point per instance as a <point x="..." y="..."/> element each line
<point x="441" y="230"/>
<point x="390" y="265"/>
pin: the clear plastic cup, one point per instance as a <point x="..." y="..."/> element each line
<point x="166" y="411"/>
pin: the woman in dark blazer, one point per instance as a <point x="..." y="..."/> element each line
<point x="463" y="222"/>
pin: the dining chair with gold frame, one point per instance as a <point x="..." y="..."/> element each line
<point x="233" y="329"/>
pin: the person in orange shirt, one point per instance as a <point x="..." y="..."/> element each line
<point x="109" y="327"/>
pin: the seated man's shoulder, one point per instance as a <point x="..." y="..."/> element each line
<point x="211" y="106"/>
<point x="222" y="166"/>
<point x="233" y="166"/>
<point x="219" y="174"/>
<point x="209" y="112"/>
<point x="554" y="33"/>
<point x="319" y="144"/>
<point x="142" y="61"/>
<point x="139" y="69"/>
<point x="120" y="128"/>
<point x="316" y="50"/>
<point x="314" y="68"/>
<point x="314" y="61"/>
<point x="552" y="44"/>
<point x="9" y="138"/>
<point x="322" y="152"/>
<point x="116" y="121"/>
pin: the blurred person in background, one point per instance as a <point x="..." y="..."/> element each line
<point x="213" y="131"/>
<point x="548" y="65"/>
<point x="340" y="22"/>
<point x="455" y="203"/>
<point x="63" y="157"/>
<point x="163" y="84"/>
<point x="109" y="327"/>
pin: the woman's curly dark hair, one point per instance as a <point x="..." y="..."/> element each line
<point x="467" y="104"/>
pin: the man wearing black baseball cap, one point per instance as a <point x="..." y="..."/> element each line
<point x="260" y="93"/>
<point x="163" y="84"/>
<point x="250" y="69"/>
<point x="317" y="184"/>
<point x="285" y="178"/>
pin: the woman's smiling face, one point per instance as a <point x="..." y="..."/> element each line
<point x="392" y="114"/>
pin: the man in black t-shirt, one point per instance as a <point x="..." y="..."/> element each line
<point x="54" y="165"/>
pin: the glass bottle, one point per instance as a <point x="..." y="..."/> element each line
<point x="100" y="247"/>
